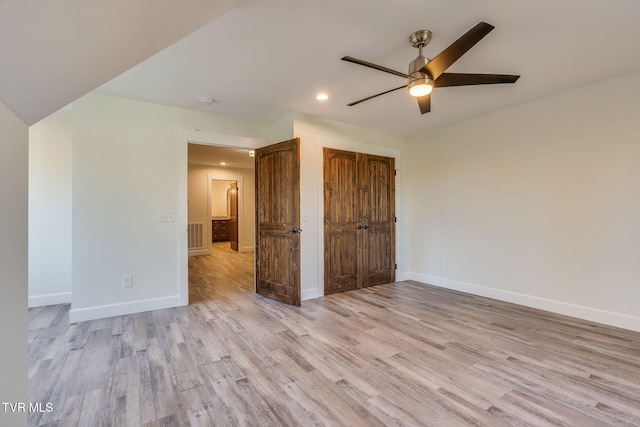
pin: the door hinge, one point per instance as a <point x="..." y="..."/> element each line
<point x="395" y="219"/>
<point x="395" y="172"/>
<point x="395" y="266"/>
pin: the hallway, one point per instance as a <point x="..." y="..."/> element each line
<point x="225" y="274"/>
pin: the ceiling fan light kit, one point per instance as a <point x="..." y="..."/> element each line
<point x="426" y="74"/>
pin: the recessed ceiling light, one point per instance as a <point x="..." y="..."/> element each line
<point x="322" y="97"/>
<point x="223" y="163"/>
<point x="206" y="101"/>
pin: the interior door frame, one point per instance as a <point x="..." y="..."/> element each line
<point x="184" y="137"/>
<point x="237" y="203"/>
<point x="358" y="147"/>
<point x="239" y="180"/>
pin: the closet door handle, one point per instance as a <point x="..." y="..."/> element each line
<point x="294" y="231"/>
<point x="366" y="227"/>
<point x="359" y="226"/>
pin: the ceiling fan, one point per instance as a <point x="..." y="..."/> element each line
<point x="426" y="74"/>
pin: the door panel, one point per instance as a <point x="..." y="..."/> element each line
<point x="378" y="212"/>
<point x="359" y="220"/>
<point x="341" y="219"/>
<point x="278" y="221"/>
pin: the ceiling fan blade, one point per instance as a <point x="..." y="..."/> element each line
<point x="374" y="66"/>
<point x="440" y="63"/>
<point x="462" y="79"/>
<point x="424" y="102"/>
<point x="373" y="96"/>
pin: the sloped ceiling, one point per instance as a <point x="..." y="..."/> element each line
<point x="265" y="59"/>
<point x="54" y="51"/>
<point x="260" y="60"/>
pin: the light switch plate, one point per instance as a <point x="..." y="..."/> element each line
<point x="164" y="216"/>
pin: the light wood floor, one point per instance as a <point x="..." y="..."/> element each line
<point x="397" y="354"/>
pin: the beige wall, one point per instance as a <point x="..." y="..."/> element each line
<point x="50" y="154"/>
<point x="537" y="204"/>
<point x="201" y="175"/>
<point x="13" y="264"/>
<point x="219" y="200"/>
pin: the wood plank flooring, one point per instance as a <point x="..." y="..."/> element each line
<point x="402" y="354"/>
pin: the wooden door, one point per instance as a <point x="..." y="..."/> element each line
<point x="359" y="220"/>
<point x="341" y="221"/>
<point x="233" y="215"/>
<point x="278" y="221"/>
<point x="377" y="210"/>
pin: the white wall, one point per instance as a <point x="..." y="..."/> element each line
<point x="200" y="175"/>
<point x="315" y="134"/>
<point x="50" y="210"/>
<point x="125" y="170"/>
<point x="281" y="130"/>
<point x="13" y="264"/>
<point x="536" y="204"/>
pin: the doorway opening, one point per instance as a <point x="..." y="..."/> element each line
<point x="223" y="211"/>
<point x="221" y="222"/>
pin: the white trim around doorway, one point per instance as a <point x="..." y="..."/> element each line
<point x="184" y="137"/>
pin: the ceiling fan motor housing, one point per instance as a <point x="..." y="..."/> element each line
<point x="416" y="77"/>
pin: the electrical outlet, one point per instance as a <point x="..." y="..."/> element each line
<point x="441" y="263"/>
<point x="127" y="281"/>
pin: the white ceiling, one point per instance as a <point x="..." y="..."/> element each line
<point x="209" y="155"/>
<point x="54" y="51"/>
<point x="263" y="60"/>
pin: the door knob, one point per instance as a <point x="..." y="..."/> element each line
<point x="294" y="230"/>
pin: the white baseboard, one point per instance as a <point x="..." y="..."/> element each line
<point x="205" y="251"/>
<point x="247" y="249"/>
<point x="49" y="299"/>
<point x="401" y="277"/>
<point x="111" y="310"/>
<point x="560" y="307"/>
<point x="307" y="294"/>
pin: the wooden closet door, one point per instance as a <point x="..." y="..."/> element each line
<point x="359" y="220"/>
<point x="341" y="221"/>
<point x="377" y="210"/>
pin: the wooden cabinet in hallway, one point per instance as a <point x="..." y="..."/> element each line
<point x="359" y="220"/>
